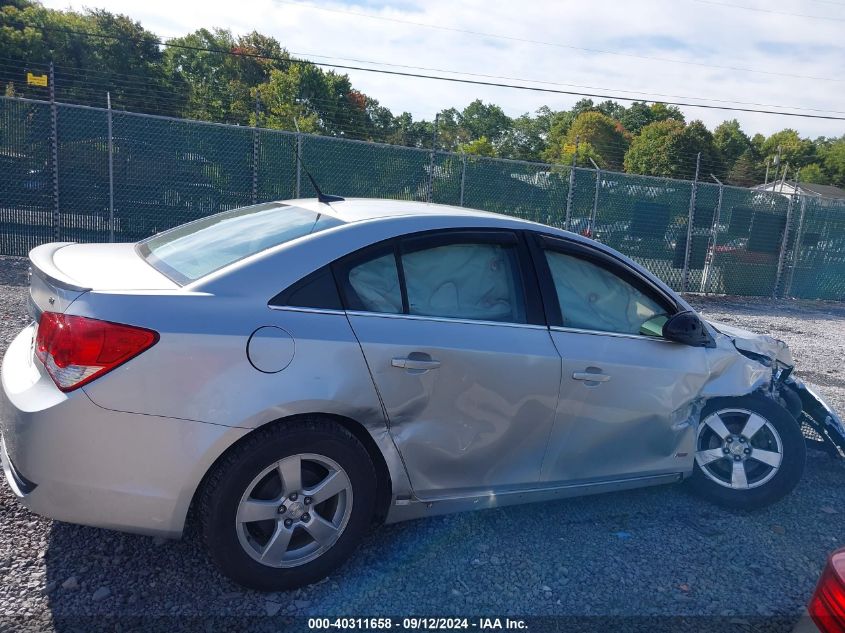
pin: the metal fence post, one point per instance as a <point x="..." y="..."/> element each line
<point x="783" y="245"/>
<point x="571" y="185"/>
<point x="431" y="159"/>
<point x="796" y="248"/>
<point x="255" y="142"/>
<point x="54" y="150"/>
<point x="594" y="214"/>
<point x="111" y="168"/>
<point x="690" y="220"/>
<point x="463" y="176"/>
<point x="711" y="254"/>
<point x="298" y="164"/>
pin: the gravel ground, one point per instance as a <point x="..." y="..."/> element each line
<point x="651" y="552"/>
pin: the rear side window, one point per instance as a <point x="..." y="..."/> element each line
<point x="465" y="280"/>
<point x="194" y="250"/>
<point x="456" y="275"/>
<point x="369" y="280"/>
<point x="317" y="290"/>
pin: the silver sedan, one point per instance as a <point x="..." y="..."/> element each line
<point x="299" y="370"/>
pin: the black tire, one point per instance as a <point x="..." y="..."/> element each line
<point x="230" y="478"/>
<point x="787" y="475"/>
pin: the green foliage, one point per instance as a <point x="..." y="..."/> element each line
<point x="745" y="171"/>
<point x="654" y="151"/>
<point x="813" y="173"/>
<point x="833" y="159"/>
<point x="731" y="141"/>
<point x="604" y="136"/>
<point x="479" y="147"/>
<point x="793" y="149"/>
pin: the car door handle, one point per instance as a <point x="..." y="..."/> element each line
<point x="415" y="363"/>
<point x="590" y="377"/>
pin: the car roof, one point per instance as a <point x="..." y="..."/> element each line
<point x="361" y="209"/>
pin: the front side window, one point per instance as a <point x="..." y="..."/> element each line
<point x="479" y="281"/>
<point x="199" y="248"/>
<point x="593" y="298"/>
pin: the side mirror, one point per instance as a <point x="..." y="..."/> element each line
<point x="688" y="329"/>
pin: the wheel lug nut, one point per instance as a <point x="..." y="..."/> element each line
<point x="288" y="523"/>
<point x="293" y="496"/>
<point x="737" y="458"/>
<point x="747" y="451"/>
<point x="308" y="501"/>
<point x="726" y="450"/>
<point x="730" y="439"/>
<point x="306" y="517"/>
<point x="282" y="509"/>
<point x="742" y="440"/>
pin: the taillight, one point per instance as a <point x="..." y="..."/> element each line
<point x="827" y="606"/>
<point x="75" y="350"/>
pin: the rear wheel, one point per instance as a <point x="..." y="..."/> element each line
<point x="749" y="452"/>
<point x="288" y="505"/>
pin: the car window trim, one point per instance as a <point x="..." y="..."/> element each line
<point x="422" y="317"/>
<point x="578" y="330"/>
<point x="543" y="241"/>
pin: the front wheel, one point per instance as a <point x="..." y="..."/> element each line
<point x="749" y="452"/>
<point x="288" y="505"/>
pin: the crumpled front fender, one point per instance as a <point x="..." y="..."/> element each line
<point x="819" y="416"/>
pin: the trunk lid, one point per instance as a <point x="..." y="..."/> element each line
<point x="62" y="271"/>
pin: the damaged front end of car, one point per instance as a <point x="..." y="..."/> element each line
<point x="821" y="426"/>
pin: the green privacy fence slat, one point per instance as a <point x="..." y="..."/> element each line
<point x="167" y="171"/>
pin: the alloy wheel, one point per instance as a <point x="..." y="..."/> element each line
<point x="738" y="449"/>
<point x="294" y="510"/>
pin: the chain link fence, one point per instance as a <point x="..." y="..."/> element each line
<point x="77" y="173"/>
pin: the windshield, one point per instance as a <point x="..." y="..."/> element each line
<point x="194" y="250"/>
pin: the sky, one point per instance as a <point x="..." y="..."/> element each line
<point x="783" y="54"/>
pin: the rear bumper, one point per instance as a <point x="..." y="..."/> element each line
<point x="69" y="459"/>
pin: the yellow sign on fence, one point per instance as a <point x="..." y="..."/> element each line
<point x="36" y="80"/>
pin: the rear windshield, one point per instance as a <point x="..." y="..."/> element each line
<point x="194" y="250"/>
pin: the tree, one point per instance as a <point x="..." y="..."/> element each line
<point x="745" y="171"/>
<point x="482" y="120"/>
<point x="793" y="149"/>
<point x="604" y="136"/>
<point x="695" y="140"/>
<point x="813" y="173"/>
<point x="126" y="61"/>
<point x="636" y="117"/>
<point x="478" y="147"/>
<point x="220" y="86"/>
<point x="731" y="142"/>
<point x="663" y="112"/>
<point x="833" y="160"/>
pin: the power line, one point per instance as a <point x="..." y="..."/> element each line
<point x="770" y="11"/>
<point x="554" y="83"/>
<point x="553" y="44"/>
<point x="474" y="82"/>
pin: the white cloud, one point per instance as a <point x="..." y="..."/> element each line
<point x="721" y="38"/>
